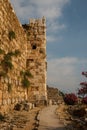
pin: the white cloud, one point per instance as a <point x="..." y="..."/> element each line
<point x="51" y="9"/>
<point x="65" y="73"/>
<point x="52" y="39"/>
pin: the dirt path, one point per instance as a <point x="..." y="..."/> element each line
<point x="49" y="120"/>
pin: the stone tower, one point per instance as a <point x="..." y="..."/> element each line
<point x="36" y="59"/>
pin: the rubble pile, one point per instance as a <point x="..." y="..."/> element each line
<point x="74" y="117"/>
<point x="21" y="118"/>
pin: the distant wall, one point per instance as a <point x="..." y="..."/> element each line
<point x="53" y="95"/>
<point x="10" y="84"/>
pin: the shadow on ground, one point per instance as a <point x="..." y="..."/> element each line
<point x="52" y="128"/>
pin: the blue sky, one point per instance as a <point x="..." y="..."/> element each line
<point x="66" y="38"/>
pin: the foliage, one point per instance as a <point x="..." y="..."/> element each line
<point x="7" y="57"/>
<point x="25" y="83"/>
<point x="1" y="117"/>
<point x="7" y="61"/>
<point x="2" y="74"/>
<point x="84" y="73"/>
<point x="28" y="73"/>
<point x="7" y="65"/>
<point x="2" y="51"/>
<point x="25" y="75"/>
<point x="80" y="112"/>
<point x="17" y="52"/>
<point x="9" y="87"/>
<point x="70" y="99"/>
<point x="11" y="35"/>
<point x="83" y="90"/>
<point x="21" y="73"/>
<point x="84" y="100"/>
<point x="61" y="93"/>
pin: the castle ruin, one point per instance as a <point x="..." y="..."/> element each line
<point x="22" y="49"/>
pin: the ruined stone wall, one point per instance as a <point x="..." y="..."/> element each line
<point x="21" y="50"/>
<point x="36" y="59"/>
<point x="12" y="40"/>
<point x="54" y="95"/>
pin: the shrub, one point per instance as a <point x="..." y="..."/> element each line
<point x="2" y="74"/>
<point x="7" y="61"/>
<point x="17" y="52"/>
<point x="79" y="112"/>
<point x="26" y="73"/>
<point x="2" y="51"/>
<point x="11" y="35"/>
<point x="1" y="117"/>
<point x="7" y="65"/>
<point x="83" y="90"/>
<point x="84" y="100"/>
<point x="7" y="57"/>
<point x="70" y="99"/>
<point x="25" y="83"/>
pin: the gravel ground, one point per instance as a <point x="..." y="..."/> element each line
<point x="19" y="120"/>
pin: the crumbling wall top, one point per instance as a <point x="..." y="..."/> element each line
<point x="38" y="21"/>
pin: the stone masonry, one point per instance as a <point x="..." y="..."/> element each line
<point x="20" y="50"/>
<point x="54" y="95"/>
<point x="36" y="59"/>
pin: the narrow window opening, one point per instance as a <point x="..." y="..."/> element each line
<point x="34" y="47"/>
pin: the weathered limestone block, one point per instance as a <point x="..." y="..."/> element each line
<point x="0" y="95"/>
<point x="2" y="79"/>
<point x="12" y="100"/>
<point x="4" y="101"/>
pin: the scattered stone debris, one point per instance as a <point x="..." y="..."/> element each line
<point x="20" y="120"/>
<point x="24" y="105"/>
<point x="74" y="117"/>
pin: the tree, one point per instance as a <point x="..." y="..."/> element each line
<point x="83" y="90"/>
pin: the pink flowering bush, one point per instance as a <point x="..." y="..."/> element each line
<point x="70" y="99"/>
<point x="84" y="100"/>
<point x="82" y="92"/>
<point x="84" y="73"/>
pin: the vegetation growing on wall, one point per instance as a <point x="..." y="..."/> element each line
<point x="17" y="53"/>
<point x="25" y="75"/>
<point x="2" y="74"/>
<point x="9" y="87"/>
<point x="2" y="51"/>
<point x="12" y="35"/>
<point x="25" y="82"/>
<point x="6" y="64"/>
